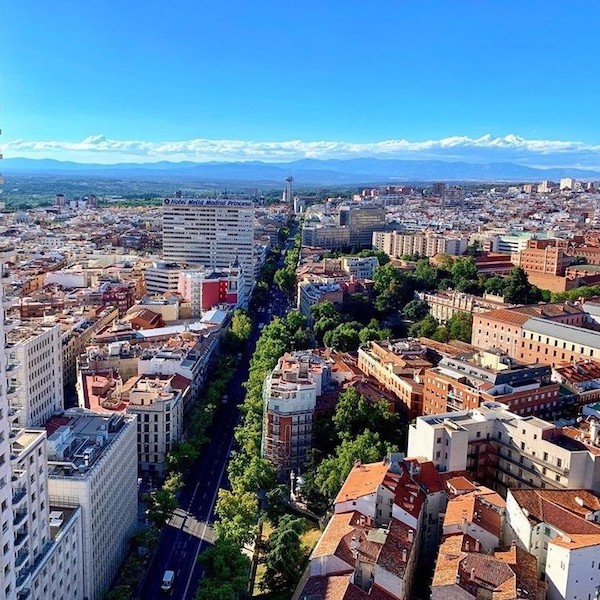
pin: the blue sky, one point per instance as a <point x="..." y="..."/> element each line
<point x="103" y="80"/>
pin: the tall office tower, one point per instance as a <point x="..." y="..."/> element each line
<point x="288" y="192"/>
<point x="212" y="232"/>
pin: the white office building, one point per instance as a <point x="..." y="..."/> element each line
<point x="35" y="385"/>
<point x="92" y="464"/>
<point x="210" y="232"/>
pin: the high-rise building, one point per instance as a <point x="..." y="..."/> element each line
<point x="41" y="543"/>
<point x="212" y="232"/>
<point x="92" y="465"/>
<point x="36" y="384"/>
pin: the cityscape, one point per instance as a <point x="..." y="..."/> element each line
<point x="310" y="322"/>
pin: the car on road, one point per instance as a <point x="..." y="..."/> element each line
<point x="167" y="581"/>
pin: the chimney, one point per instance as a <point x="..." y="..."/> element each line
<point x="404" y="554"/>
<point x="472" y="577"/>
<point x="477" y="545"/>
<point x="467" y="546"/>
<point x="411" y="535"/>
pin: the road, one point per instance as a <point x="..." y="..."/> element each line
<point x="190" y="530"/>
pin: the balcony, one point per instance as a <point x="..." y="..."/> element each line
<point x="18" y="496"/>
<point x="10" y="324"/>
<point x="21" y="559"/>
<point x="23" y="579"/>
<point x="21" y="538"/>
<point x="19" y="518"/>
<point x="12" y="390"/>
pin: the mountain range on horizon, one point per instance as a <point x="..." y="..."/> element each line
<point x="306" y="171"/>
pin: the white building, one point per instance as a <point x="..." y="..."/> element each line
<point x="35" y="386"/>
<point x="30" y="538"/>
<point x="360" y="267"/>
<point x="162" y="277"/>
<point x="92" y="462"/>
<point x="210" y="232"/>
<point x="560" y="528"/>
<point x="507" y="450"/>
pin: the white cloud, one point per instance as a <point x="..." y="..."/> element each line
<point x="487" y="148"/>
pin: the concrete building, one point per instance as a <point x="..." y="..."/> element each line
<point x="36" y="384"/>
<point x="427" y="244"/>
<point x="92" y="464"/>
<point x="310" y="294"/>
<point x="465" y="382"/>
<point x="210" y="232"/>
<point x="360" y="267"/>
<point x="398" y="366"/>
<point x="362" y="221"/>
<point x="560" y="528"/>
<point x="209" y="289"/>
<point x="162" y="276"/>
<point x="158" y="403"/>
<point x="506" y="451"/>
<point x="290" y="394"/>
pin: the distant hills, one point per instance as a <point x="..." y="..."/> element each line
<point x="306" y="171"/>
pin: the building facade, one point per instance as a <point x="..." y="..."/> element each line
<point x="210" y="232"/>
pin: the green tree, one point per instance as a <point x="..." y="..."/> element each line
<point x="332" y="472"/>
<point x="227" y="571"/>
<point x="240" y="329"/>
<point x="285" y="278"/>
<point x="392" y="288"/>
<point x="416" y="310"/>
<point x="460" y="327"/>
<point x="324" y="310"/>
<point x="344" y="337"/>
<point x="518" y="290"/>
<point x="250" y="473"/>
<point x="237" y="513"/>
<point x="426" y="274"/>
<point x="182" y="456"/>
<point x="161" y="506"/>
<point x="426" y="327"/>
<point x="354" y="414"/>
<point x="464" y="268"/>
<point x="284" y="556"/>
<point x="495" y="285"/>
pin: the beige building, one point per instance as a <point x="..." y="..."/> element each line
<point x="445" y="305"/>
<point x="506" y="450"/>
<point x="396" y="244"/>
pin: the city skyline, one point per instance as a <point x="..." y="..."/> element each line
<point x="113" y="83"/>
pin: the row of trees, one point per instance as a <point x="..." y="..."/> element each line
<point x="358" y="430"/>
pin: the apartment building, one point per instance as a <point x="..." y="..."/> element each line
<point x="208" y="289"/>
<point x="92" y="464"/>
<point x="78" y="330"/>
<point x="290" y="396"/>
<point x="465" y="382"/>
<point x="504" y="329"/>
<point x="398" y="366"/>
<point x="158" y="402"/>
<point x="396" y="243"/>
<point x="372" y="543"/>
<point x="210" y="232"/>
<point x="162" y="276"/>
<point x="35" y="386"/>
<point x="560" y="528"/>
<point x="506" y="451"/>
<point x="310" y="294"/>
<point x="360" y="267"/>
